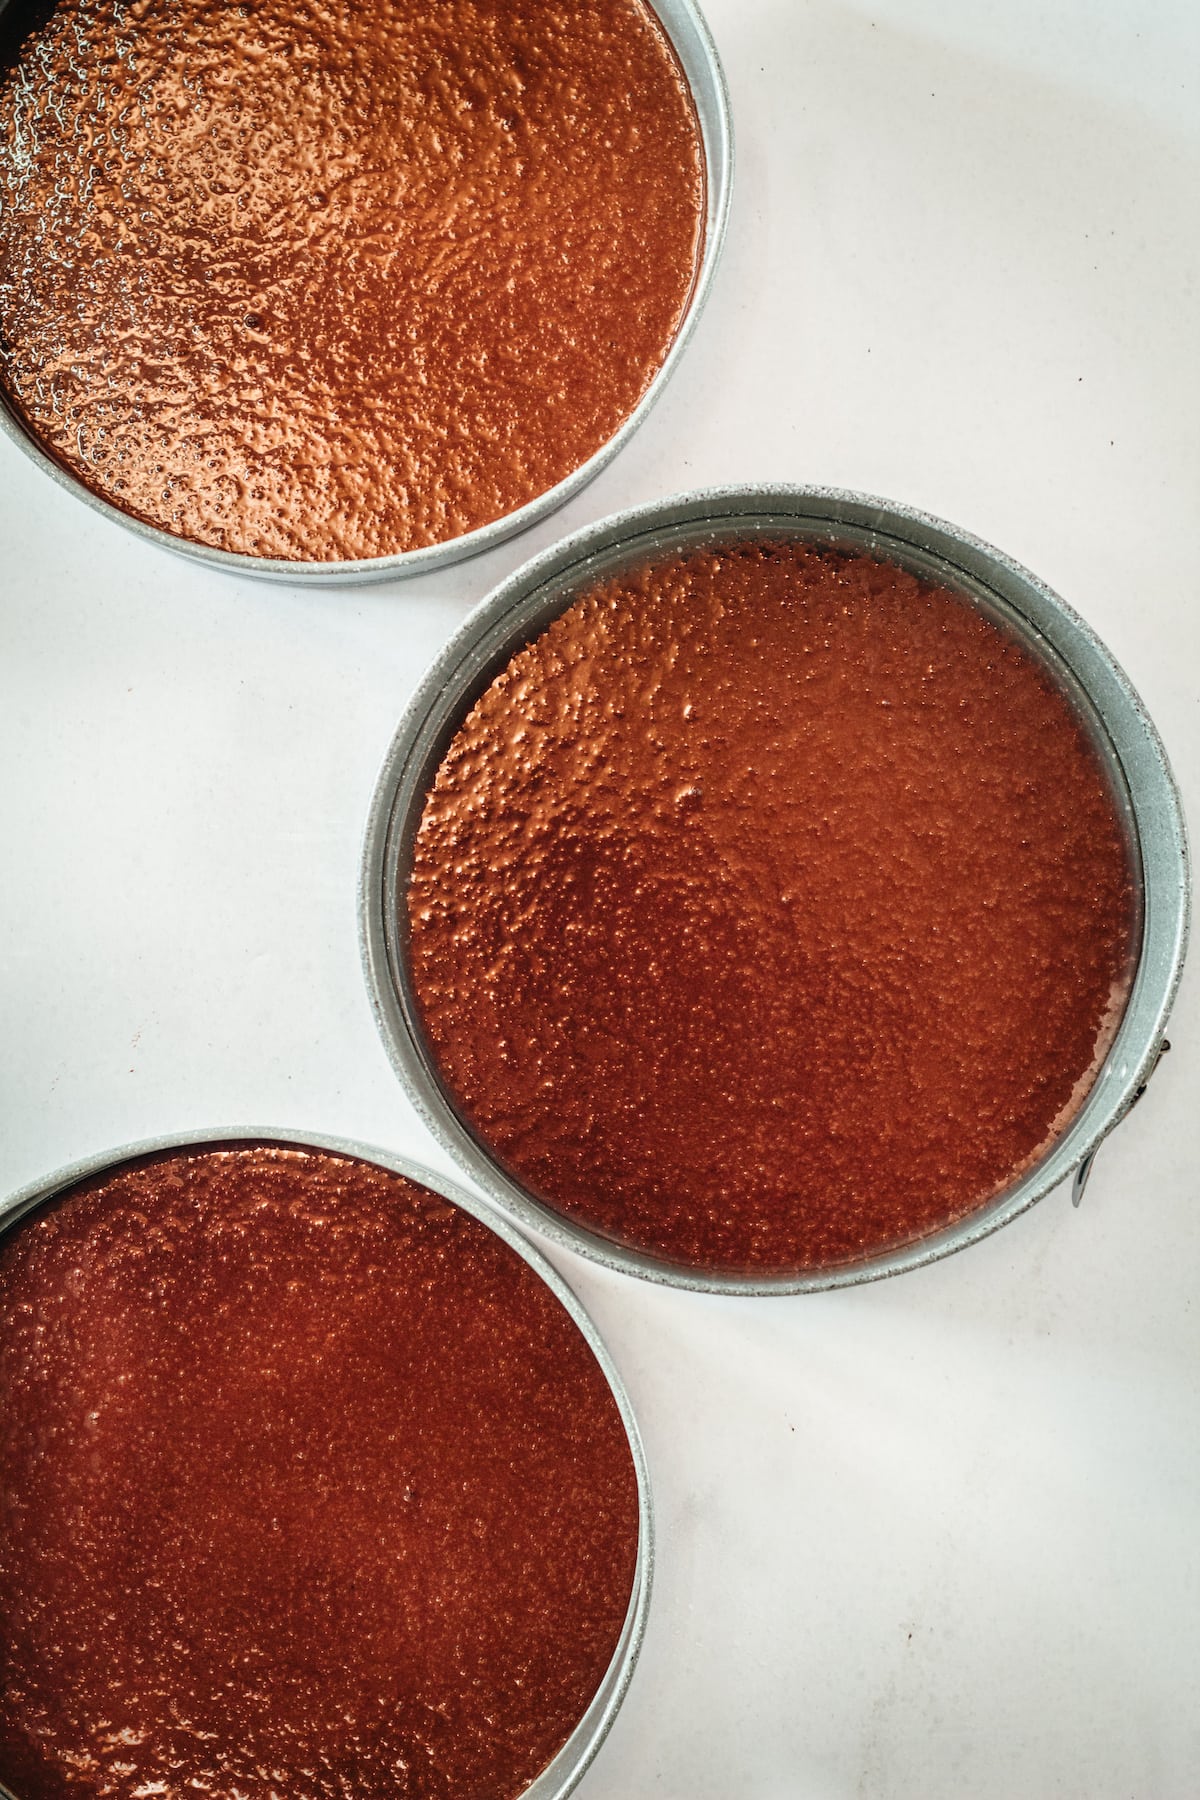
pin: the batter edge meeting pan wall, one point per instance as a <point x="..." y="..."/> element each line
<point x="696" y="54"/>
<point x="1124" y="738"/>
<point x="560" y="1776"/>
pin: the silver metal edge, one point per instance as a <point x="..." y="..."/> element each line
<point x="1136" y="747"/>
<point x="696" y="50"/>
<point x="566" y="1769"/>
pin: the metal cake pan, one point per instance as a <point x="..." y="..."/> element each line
<point x="560" y="1776"/>
<point x="693" y="44"/>
<point x="524" y="604"/>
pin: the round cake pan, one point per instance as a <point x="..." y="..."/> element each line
<point x="520" y="609"/>
<point x="697" y="54"/>
<point x="561" y="1776"/>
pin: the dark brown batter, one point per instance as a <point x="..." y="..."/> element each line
<point x="310" y="1488"/>
<point x="770" y="909"/>
<point x="316" y="281"/>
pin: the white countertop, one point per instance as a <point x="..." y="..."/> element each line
<point x="934" y="1537"/>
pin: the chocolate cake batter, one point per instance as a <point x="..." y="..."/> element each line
<point x="310" y="1489"/>
<point x="771" y="909"/>
<point x="324" y="281"/>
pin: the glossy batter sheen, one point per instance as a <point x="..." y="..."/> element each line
<point x="322" y="280"/>
<point x="770" y="909"/>
<point x="310" y="1488"/>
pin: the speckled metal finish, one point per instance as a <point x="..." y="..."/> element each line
<point x="1121" y="732"/>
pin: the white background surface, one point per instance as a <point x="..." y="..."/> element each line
<point x="930" y="1538"/>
